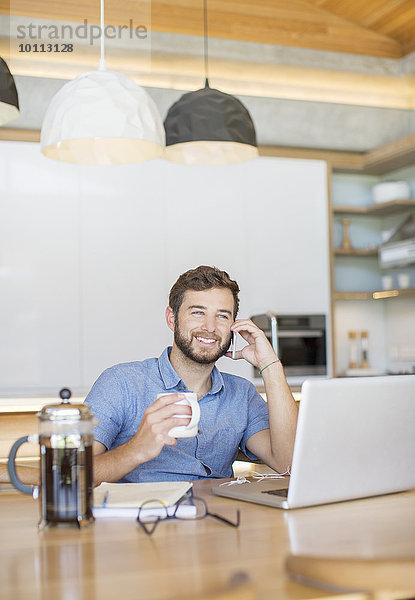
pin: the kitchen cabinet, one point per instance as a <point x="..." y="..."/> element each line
<point x="88" y="255"/>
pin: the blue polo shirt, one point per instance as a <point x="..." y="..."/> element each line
<point x="231" y="412"/>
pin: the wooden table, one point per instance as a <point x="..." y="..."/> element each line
<point x="115" y="559"/>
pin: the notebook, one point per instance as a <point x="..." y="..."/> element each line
<point x="123" y="499"/>
<point x="355" y="438"/>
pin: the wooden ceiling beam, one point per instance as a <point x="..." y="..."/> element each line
<point x="299" y="23"/>
<point x="396" y="23"/>
<point x="409" y="46"/>
<point x="394" y="19"/>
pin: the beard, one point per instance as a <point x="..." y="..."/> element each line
<point x="202" y="356"/>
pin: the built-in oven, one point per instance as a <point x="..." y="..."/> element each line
<point x="298" y="340"/>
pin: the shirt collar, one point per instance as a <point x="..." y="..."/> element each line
<point x="171" y="379"/>
<point x="167" y="373"/>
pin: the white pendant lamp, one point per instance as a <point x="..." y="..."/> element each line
<point x="102" y="118"/>
<point x="209" y="127"/>
<point x="9" y="101"/>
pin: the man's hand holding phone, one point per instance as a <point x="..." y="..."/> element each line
<point x="258" y="351"/>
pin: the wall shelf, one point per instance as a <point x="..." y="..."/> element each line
<point x="356" y="251"/>
<point x="384" y="208"/>
<point x="375" y="295"/>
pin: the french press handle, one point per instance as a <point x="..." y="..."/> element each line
<point x="32" y="490"/>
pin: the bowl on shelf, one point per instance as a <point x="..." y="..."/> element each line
<point x="390" y="190"/>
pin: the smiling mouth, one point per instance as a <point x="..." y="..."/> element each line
<point x="206" y="341"/>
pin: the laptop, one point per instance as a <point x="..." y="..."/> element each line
<point x="355" y="439"/>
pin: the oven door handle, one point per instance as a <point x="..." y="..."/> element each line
<point x="300" y="333"/>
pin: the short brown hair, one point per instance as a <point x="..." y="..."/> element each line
<point x="202" y="278"/>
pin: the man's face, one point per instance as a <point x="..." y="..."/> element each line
<point x="202" y="327"/>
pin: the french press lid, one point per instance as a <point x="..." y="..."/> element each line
<point x="65" y="411"/>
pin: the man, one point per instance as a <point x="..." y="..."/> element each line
<point x="132" y="442"/>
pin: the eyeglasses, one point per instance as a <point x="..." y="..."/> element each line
<point x="191" y="508"/>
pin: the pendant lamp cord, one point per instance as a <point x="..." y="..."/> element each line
<point x="102" y="65"/>
<point x="206" y="50"/>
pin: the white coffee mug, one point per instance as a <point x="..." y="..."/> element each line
<point x="189" y="430"/>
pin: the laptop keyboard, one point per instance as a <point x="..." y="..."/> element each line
<point x="283" y="492"/>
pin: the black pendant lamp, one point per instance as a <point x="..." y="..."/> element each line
<point x="209" y="127"/>
<point x="9" y="101"/>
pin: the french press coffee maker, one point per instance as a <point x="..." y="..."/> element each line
<point x="66" y="433"/>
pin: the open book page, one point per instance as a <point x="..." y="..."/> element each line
<point x="124" y="499"/>
<point x="135" y="494"/>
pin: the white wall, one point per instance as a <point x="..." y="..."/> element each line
<point x="88" y="255"/>
<point x="360" y="315"/>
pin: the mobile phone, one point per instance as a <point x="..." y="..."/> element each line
<point x="233" y="344"/>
